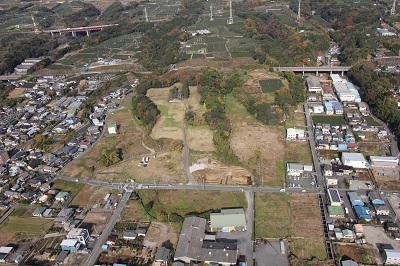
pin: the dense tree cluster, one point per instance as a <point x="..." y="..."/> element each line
<point x="111" y="156"/>
<point x="378" y="89"/>
<point x="179" y="93"/>
<point x="82" y="17"/>
<point x="14" y="53"/>
<point x="145" y="110"/>
<point x="282" y="44"/>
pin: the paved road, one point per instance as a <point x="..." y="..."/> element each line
<point x="107" y="231"/>
<point x="250" y="227"/>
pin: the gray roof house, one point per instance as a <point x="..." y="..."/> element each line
<point x="162" y="256"/>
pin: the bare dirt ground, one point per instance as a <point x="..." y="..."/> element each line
<point x="166" y="168"/>
<point x="158" y="233"/>
<point x="98" y="220"/>
<point x="222" y="174"/>
<point x="247" y="140"/>
<point x="6" y="237"/>
<point x="200" y="138"/>
<point x="170" y="124"/>
<point x="17" y="92"/>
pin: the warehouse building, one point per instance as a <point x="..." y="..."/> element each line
<point x="228" y="220"/>
<point x="384" y="161"/>
<point x="355" y="160"/>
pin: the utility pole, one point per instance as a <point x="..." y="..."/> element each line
<point x="298" y="13"/>
<point x="145" y="15"/>
<point x="393" y="9"/>
<point x="35" y="27"/>
<point x="230" y="20"/>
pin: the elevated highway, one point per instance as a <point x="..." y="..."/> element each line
<point x="73" y="31"/>
<point x="315" y="69"/>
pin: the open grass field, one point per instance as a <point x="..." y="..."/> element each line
<point x="298" y="152"/>
<point x="170" y="123"/>
<point x="72" y="187"/>
<point x="186" y="202"/>
<point x="295" y="217"/>
<point x="330" y="119"/>
<point x="26" y="227"/>
<point x="270" y="85"/>
<point x="128" y="138"/>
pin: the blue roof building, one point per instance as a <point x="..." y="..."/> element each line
<point x="355" y="199"/>
<point x="342" y="146"/>
<point x="362" y="212"/>
<point x="71" y="245"/>
<point x="375" y="199"/>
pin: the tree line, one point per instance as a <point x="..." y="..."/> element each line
<point x="379" y="89"/>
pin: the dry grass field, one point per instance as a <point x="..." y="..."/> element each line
<point x="96" y="221"/>
<point x="91" y="196"/>
<point x="17" y="92"/>
<point x="360" y="254"/>
<point x="295" y="217"/>
<point x="166" y="168"/>
<point x="170" y="123"/>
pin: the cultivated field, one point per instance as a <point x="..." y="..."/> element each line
<point x="25" y="227"/>
<point x="295" y="217"/>
<point x="170" y="123"/>
<point x="330" y="119"/>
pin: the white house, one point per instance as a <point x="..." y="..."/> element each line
<point x="112" y="129"/>
<point x="331" y="181"/>
<point x="318" y="109"/>
<point x="355" y="160"/>
<point x="294" y="169"/>
<point x="327" y="168"/>
<point x="294" y="134"/>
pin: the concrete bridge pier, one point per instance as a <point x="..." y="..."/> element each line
<point x="88" y="32"/>
<point x="74" y="33"/>
<point x="316" y="73"/>
<point x="342" y="73"/>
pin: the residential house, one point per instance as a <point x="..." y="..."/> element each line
<point x="62" y="196"/>
<point x="358" y="228"/>
<point x="362" y="212"/>
<point x="80" y="234"/>
<point x="111" y="239"/>
<point x="71" y="245"/>
<point x="355" y="199"/>
<point x="349" y="263"/>
<point x="162" y="256"/>
<point x="64" y="216"/>
<point x="5" y="252"/>
<point x="38" y="212"/>
<point x="392" y="227"/>
<point x="331" y="181"/>
<point x="130" y="235"/>
<point x="348" y="234"/>
<point x="375" y="198"/>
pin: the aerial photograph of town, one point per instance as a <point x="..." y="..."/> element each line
<point x="199" y="132"/>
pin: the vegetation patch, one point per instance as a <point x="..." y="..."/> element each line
<point x="26" y="227"/>
<point x="72" y="187"/>
<point x="270" y="85"/>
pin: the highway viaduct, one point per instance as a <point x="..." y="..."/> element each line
<point x="315" y="69"/>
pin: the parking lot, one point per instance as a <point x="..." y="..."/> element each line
<point x="307" y="180"/>
<point x="394" y="201"/>
<point x="268" y="253"/>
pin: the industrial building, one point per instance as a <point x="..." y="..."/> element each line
<point x="391" y="256"/>
<point x="228" y="220"/>
<point x="384" y="161"/>
<point x="193" y="246"/>
<point x="355" y="160"/>
<point x="294" y="134"/>
<point x="313" y="84"/>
